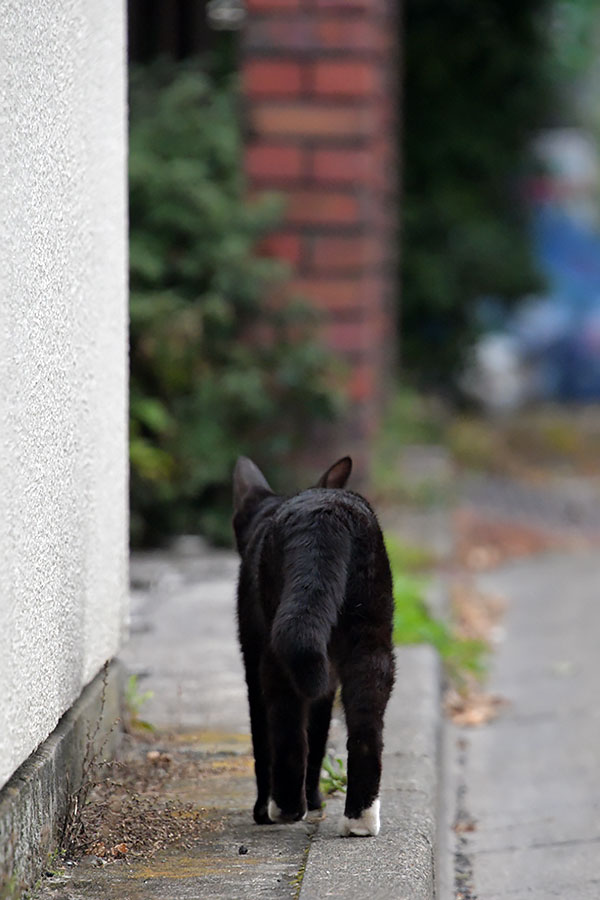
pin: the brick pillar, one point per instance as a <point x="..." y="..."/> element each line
<point x="320" y="79"/>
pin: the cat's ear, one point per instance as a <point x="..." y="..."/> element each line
<point x="247" y="478"/>
<point x="336" y="475"/>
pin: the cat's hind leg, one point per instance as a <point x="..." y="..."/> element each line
<point x="319" y="719"/>
<point x="260" y="740"/>
<point x="287" y="719"/>
<point x="367" y="681"/>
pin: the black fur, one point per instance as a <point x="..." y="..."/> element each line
<point x="314" y="609"/>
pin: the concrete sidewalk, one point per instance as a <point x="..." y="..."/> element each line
<point x="183" y="648"/>
<point x="522" y="805"/>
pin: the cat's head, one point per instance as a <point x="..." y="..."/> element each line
<point x="251" y="489"/>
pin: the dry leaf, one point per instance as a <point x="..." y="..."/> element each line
<point x="476" y="614"/>
<point x="98" y="849"/>
<point x="484" y="543"/>
<point x="464" y="825"/>
<point x="474" y="708"/>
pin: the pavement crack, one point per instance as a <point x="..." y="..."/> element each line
<point x="463" y="864"/>
<point x="297" y="880"/>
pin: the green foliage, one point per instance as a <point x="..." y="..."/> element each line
<point x="474" y="96"/>
<point x="574" y="35"/>
<point x="134" y="700"/>
<point x="414" y="624"/>
<point x="411" y="420"/>
<point x="336" y="777"/>
<point x="222" y="361"/>
<point x="406" y="557"/>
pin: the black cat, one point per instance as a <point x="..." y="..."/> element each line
<point x="314" y="607"/>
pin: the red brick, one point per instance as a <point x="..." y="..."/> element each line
<point x="363" y="382"/>
<point x="347" y="337"/>
<point x="346" y="79"/>
<point x="282" y="246"/>
<point x="273" y="78"/>
<point x="273" y="162"/>
<point x="337" y="295"/>
<point x="371" y="7"/>
<point x="306" y="33"/>
<point x="276" y="35"/>
<point x="355" y="34"/>
<point x="347" y="166"/>
<point x="322" y="208"/>
<point x="377" y="327"/>
<point x="346" y="254"/>
<point x="309" y="120"/>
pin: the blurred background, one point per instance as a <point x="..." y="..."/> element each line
<point x="359" y="227"/>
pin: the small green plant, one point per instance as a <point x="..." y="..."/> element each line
<point x="336" y="777"/>
<point x="134" y="700"/>
<point x="55" y="864"/>
<point x="405" y="557"/>
<point x="414" y="624"/>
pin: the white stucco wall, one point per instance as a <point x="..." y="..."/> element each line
<point x="63" y="288"/>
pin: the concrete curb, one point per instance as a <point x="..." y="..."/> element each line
<point x="33" y="803"/>
<point x="401" y="862"/>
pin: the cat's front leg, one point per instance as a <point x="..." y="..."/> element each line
<point x="365" y="824"/>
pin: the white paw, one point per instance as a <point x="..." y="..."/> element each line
<point x="274" y="811"/>
<point x="314" y="815"/>
<point x="276" y="815"/>
<point x="367" y="824"/>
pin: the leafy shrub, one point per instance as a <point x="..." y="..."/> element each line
<point x="222" y="362"/>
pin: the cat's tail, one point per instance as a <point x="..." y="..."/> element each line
<point x="315" y="574"/>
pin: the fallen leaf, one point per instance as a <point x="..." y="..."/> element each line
<point x="476" y="614"/>
<point x="464" y="825"/>
<point x="474" y="708"/>
<point x="484" y="542"/>
<point x="98" y="849"/>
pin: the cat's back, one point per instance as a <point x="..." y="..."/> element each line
<point x="315" y="504"/>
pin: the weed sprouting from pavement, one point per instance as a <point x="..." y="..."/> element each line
<point x="335" y="778"/>
<point x="78" y="797"/>
<point x="134" y="700"/>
